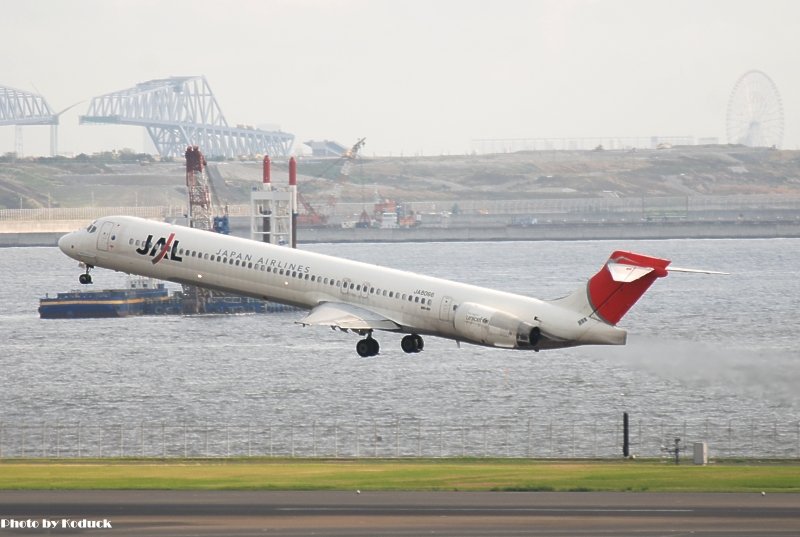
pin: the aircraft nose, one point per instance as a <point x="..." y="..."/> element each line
<point x="65" y="243"/>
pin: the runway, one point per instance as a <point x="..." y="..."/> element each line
<point x="542" y="514"/>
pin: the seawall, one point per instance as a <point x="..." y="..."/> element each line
<point x="47" y="234"/>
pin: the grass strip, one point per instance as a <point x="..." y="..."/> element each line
<point x="411" y="474"/>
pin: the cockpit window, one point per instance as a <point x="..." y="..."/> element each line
<point x="92" y="228"/>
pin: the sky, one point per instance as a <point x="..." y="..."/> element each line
<point x="414" y="77"/>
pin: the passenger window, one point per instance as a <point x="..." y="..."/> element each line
<point x="391" y="294"/>
<point x="416" y="299"/>
<point x="384" y="292"/>
<point x="249" y="265"/>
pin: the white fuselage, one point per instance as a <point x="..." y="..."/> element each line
<point x="418" y="304"/>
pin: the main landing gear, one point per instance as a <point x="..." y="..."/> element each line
<point x="369" y="347"/>
<point x="412" y="343"/>
<point x="86" y="278"/>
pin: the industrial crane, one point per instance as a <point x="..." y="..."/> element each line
<point x="350" y="155"/>
<point x="312" y="217"/>
<point x="199" y="215"/>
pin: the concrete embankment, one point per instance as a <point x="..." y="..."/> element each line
<point x="572" y="231"/>
<point x="36" y="232"/>
<point x="48" y="235"/>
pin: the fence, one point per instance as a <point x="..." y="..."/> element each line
<point x="87" y="213"/>
<point x="539" y="206"/>
<point x="398" y="438"/>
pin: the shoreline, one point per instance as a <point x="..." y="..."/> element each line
<point x="539" y="232"/>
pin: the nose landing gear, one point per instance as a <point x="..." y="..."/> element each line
<point x="86" y="278"/>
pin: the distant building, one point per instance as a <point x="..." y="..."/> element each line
<point x="326" y="148"/>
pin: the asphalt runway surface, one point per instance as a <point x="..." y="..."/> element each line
<point x="543" y="514"/>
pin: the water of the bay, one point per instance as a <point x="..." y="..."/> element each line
<point x="716" y="349"/>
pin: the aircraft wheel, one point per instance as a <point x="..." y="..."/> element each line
<point x="411" y="343"/>
<point x="374" y="346"/>
<point x="535" y="336"/>
<point x="362" y="348"/>
<point x="85" y="279"/>
<point x="367" y="347"/>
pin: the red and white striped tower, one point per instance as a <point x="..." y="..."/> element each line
<point x="293" y="190"/>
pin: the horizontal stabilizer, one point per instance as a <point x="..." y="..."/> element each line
<point x="696" y="271"/>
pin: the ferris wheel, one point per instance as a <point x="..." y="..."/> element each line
<point x="755" y="112"/>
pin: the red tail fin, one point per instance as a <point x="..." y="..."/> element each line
<point x="622" y="280"/>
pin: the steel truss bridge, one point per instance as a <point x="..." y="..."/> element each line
<point x="22" y="108"/>
<point x="182" y="111"/>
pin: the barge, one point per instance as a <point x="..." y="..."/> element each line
<point x="145" y="297"/>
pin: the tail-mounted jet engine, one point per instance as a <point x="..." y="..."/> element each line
<point x="489" y="326"/>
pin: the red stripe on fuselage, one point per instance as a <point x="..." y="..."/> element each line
<point x="165" y="249"/>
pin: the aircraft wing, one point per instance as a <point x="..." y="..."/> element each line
<point x="347" y="317"/>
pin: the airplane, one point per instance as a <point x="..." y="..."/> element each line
<point x="363" y="298"/>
